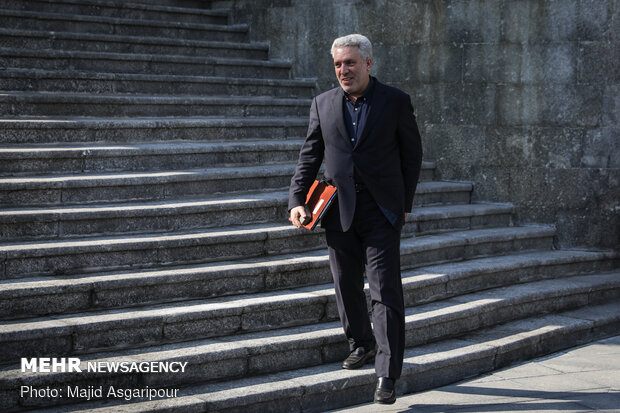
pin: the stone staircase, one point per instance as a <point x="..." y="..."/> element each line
<point x="145" y="154"/>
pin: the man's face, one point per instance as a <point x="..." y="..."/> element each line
<point x="352" y="72"/>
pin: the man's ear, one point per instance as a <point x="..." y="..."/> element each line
<point x="368" y="63"/>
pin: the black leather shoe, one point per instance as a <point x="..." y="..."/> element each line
<point x="358" y="358"/>
<point x="385" y="393"/>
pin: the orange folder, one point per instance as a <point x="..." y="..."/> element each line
<point x="320" y="197"/>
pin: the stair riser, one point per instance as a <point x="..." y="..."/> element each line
<point x="103" y="10"/>
<point x="15" y="196"/>
<point x="103" y="64"/>
<point x="207" y="284"/>
<point x="139" y="190"/>
<point x="142" y="223"/>
<point x="333" y="349"/>
<point x="51" y="227"/>
<point x="442" y="225"/>
<point x="126" y="108"/>
<point x="154" y="87"/>
<point x="132" y="134"/>
<point x="70" y="260"/>
<point x="134" y="29"/>
<point x="484" y="249"/>
<point x="88" y="163"/>
<point x="124" y="46"/>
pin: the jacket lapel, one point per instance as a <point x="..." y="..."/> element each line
<point x="336" y="102"/>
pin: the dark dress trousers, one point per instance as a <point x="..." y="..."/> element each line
<point x="376" y="177"/>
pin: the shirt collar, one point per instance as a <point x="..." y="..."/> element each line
<point x="367" y="93"/>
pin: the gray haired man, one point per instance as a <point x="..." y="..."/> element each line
<point x="367" y="135"/>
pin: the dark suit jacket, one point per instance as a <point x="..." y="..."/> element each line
<point x="388" y="156"/>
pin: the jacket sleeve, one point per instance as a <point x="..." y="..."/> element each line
<point x="310" y="159"/>
<point x="410" y="144"/>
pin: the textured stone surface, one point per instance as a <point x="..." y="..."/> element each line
<point x="119" y="243"/>
<point x="498" y="82"/>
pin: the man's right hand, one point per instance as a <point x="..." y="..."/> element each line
<point x="300" y="216"/>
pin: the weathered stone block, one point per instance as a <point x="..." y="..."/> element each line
<point x="92" y="337"/>
<point x="554" y="63"/>
<point x="475" y="21"/>
<point x="420" y="64"/>
<point x="552" y="21"/>
<point x="56" y="303"/>
<point x="306" y="311"/>
<point x="214" y="326"/>
<point x="601" y="148"/>
<point x="556" y="147"/>
<point x="611" y="106"/>
<point x="558" y="105"/>
<point x="285" y="359"/>
<point x="593" y="19"/>
<point x="493" y="63"/>
<point x="36" y="347"/>
<point x="516" y="20"/>
<point x="598" y="62"/>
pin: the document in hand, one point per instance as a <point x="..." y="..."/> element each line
<point x="319" y="199"/>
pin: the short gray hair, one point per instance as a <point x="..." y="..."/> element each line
<point x="361" y="41"/>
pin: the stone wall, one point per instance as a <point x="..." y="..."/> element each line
<point x="519" y="96"/>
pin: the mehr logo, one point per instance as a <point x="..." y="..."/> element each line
<point x="72" y="364"/>
<point x="51" y="365"/>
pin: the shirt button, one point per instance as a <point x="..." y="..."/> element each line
<point x="353" y="123"/>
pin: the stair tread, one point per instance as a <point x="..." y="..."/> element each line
<point x="50" y="122"/>
<point x="238" y="305"/>
<point x="148" y="6"/>
<point x="439" y="272"/>
<point x="73" y="74"/>
<point x="229" y="304"/>
<point x="256" y="231"/>
<point x="153" y="177"/>
<point x="65" y="97"/>
<point x="220" y="202"/>
<point x="51" y="54"/>
<point x="60" y="35"/>
<point x="256" y="343"/>
<point x="302" y="383"/>
<point x="110" y="149"/>
<point x="123" y="21"/>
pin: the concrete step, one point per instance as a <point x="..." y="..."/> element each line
<point x="76" y="159"/>
<point x="89" y="292"/>
<point x="71" y="257"/>
<point x="46" y="130"/>
<point x="126" y="10"/>
<point x="69" y="22"/>
<point x="145" y="84"/>
<point x="245" y="208"/>
<point x="323" y="344"/>
<point x="154" y="64"/>
<point x="92" y="188"/>
<point x="328" y="386"/>
<point x="85" y="104"/>
<point x="23" y="297"/>
<point x="22" y="160"/>
<point x="114" y="43"/>
<point x="139" y="186"/>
